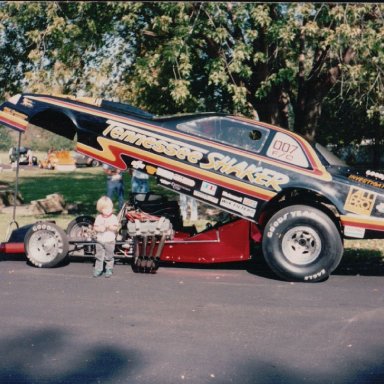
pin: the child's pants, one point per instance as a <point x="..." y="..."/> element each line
<point x="104" y="253"/>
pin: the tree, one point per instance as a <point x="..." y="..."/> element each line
<point x="269" y="58"/>
<point x="276" y="61"/>
<point x="61" y="47"/>
<point x="5" y="139"/>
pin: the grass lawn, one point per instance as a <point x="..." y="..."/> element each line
<point x="85" y="185"/>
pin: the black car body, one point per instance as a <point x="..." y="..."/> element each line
<point x="303" y="200"/>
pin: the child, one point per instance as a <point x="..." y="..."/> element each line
<point x="105" y="226"/>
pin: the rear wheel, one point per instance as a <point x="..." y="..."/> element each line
<point x="302" y="243"/>
<point x="46" y="245"/>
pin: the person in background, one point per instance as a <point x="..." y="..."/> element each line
<point x="115" y="184"/>
<point x="30" y="157"/>
<point x="188" y="207"/>
<point x="139" y="182"/>
<point x="105" y="226"/>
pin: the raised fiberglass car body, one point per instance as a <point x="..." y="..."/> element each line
<point x="303" y="200"/>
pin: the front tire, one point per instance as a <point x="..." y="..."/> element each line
<point x="46" y="245"/>
<point x="302" y="243"/>
<point x="76" y="227"/>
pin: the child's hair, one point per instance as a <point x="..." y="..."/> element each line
<point x="104" y="203"/>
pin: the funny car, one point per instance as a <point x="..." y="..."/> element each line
<point x="293" y="197"/>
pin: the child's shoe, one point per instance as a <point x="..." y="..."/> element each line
<point x="97" y="272"/>
<point x="108" y="273"/>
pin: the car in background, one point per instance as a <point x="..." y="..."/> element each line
<point x="84" y="161"/>
<point x="58" y="160"/>
<point x="24" y="154"/>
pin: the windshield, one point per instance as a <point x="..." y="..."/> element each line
<point x="330" y="157"/>
<point x="228" y="131"/>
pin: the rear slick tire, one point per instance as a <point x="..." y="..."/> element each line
<point x="302" y="243"/>
<point x="46" y="245"/>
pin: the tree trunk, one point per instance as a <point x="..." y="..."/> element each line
<point x="274" y="109"/>
<point x="311" y="91"/>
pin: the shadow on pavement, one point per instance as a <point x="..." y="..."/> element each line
<point x="363" y="262"/>
<point x="49" y="356"/>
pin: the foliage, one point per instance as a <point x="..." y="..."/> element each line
<point x="5" y="139"/>
<point x="36" y="138"/>
<point x="276" y="61"/>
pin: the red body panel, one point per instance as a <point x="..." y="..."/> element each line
<point x="229" y="242"/>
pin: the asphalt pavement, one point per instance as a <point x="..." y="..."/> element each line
<point x="188" y="325"/>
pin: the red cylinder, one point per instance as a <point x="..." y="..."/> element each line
<point x="12" y="248"/>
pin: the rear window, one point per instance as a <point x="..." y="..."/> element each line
<point x="228" y="131"/>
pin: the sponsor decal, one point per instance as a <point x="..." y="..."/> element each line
<point x="184" y="180"/>
<point x="251" y="203"/>
<point x="178" y="187"/>
<point x="176" y="177"/>
<point x="360" y="201"/>
<point x="363" y="180"/>
<point x="164" y="182"/>
<point x="218" y="162"/>
<point x="204" y="196"/>
<point x="159" y="144"/>
<point x="255" y="174"/>
<point x="378" y="175"/>
<point x="151" y="170"/>
<point x="111" y="153"/>
<point x="164" y="173"/>
<point x="232" y="196"/>
<point x="240" y="208"/>
<point x="208" y="188"/>
<point x="285" y="148"/>
<point x="27" y="102"/>
<point x="355" y="232"/>
<point x="380" y="208"/>
<point x="138" y="164"/>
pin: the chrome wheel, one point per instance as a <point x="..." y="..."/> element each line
<point x="301" y="245"/>
<point x="45" y="244"/>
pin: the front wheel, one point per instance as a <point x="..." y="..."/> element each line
<point x="302" y="243"/>
<point x="46" y="245"/>
<point x="80" y="226"/>
<point x="80" y="229"/>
